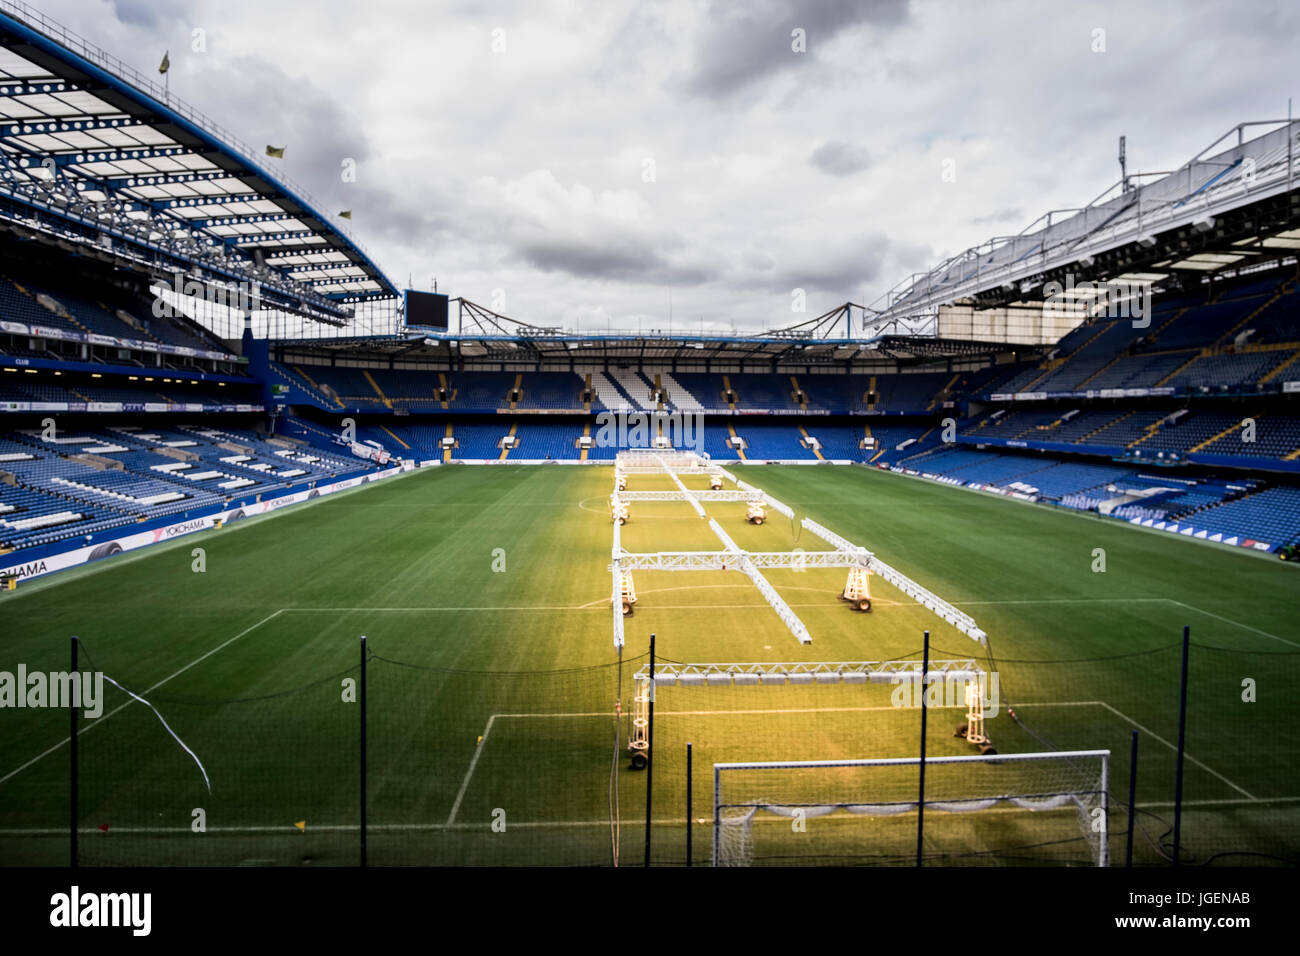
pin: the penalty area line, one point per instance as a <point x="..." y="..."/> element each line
<point x="1250" y="798"/>
<point x="487" y="730"/>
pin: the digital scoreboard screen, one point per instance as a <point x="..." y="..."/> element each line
<point x="426" y="309"/>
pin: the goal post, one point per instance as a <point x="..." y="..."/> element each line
<point x="752" y="800"/>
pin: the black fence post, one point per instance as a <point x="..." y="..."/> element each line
<point x="650" y="750"/>
<point x="73" y="782"/>
<point x="1182" y="742"/>
<point x="363" y="750"/>
<point x="689" y="779"/>
<point x="920" y="803"/>
<point x="1132" y="800"/>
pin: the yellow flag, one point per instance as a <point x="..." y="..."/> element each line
<point x="346" y="214"/>
<point x="301" y="825"/>
<point x="276" y="152"/>
<point x="166" y="63"/>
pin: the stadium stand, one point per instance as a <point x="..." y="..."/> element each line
<point x="1176" y="390"/>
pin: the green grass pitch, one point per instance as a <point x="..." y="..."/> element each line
<point x="484" y="595"/>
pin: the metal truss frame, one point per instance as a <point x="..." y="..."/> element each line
<point x="844" y="553"/>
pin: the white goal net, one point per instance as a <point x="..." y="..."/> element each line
<point x="1004" y="808"/>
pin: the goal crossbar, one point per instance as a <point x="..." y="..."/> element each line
<point x="812" y="672"/>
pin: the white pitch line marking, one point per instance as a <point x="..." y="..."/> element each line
<point x="1127" y="719"/>
<point x="197" y="660"/>
<point x="464" y="784"/>
<point x="1155" y="736"/>
<point x="1228" y="620"/>
<point x="603" y="604"/>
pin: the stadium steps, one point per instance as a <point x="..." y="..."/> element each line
<point x="446" y="452"/>
<point x="442" y="384"/>
<point x="1147" y="432"/>
<point x="1280" y="291"/>
<point x="586" y="433"/>
<point x="1199" y="354"/>
<point x="1103" y="427"/>
<point x="1287" y="364"/>
<point x="610" y="392"/>
<point x="1051" y="365"/>
<point x="505" y="452"/>
<point x="300" y="422"/>
<point x="365" y="372"/>
<point x="395" y="438"/>
<point x="1055" y="364"/>
<point x="1292" y="456"/>
<point x="62" y="310"/>
<point x="628" y="384"/>
<point x="1178" y="314"/>
<point x="330" y="396"/>
<point x="799" y="397"/>
<point x="1113" y="360"/>
<point x="804" y="432"/>
<point x="650" y="385"/>
<point x="517" y="390"/>
<point x="1223" y="434"/>
<point x="680" y="396"/>
<point x="726" y="391"/>
<point x="138" y="328"/>
<point x="1034" y="430"/>
<point x="731" y="430"/>
<point x="947" y="389"/>
<point x="871" y="390"/>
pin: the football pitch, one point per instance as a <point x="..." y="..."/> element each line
<point x="498" y="709"/>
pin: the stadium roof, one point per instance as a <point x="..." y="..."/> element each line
<point x="1230" y="208"/>
<point x="95" y="155"/>
<point x="482" y="335"/>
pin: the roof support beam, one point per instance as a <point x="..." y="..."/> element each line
<point x="86" y="157"/>
<point x="53" y="128"/>
<point x="171" y="179"/>
<point x="240" y="220"/>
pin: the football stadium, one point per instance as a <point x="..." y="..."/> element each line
<point x="304" y="565"/>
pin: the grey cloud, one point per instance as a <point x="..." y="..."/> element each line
<point x="742" y="43"/>
<point x="269" y="107"/>
<point x="141" y="13"/>
<point x="603" y="260"/>
<point x="840" y="159"/>
<point x="837" y="266"/>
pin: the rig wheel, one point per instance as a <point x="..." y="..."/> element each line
<point x="864" y="604"/>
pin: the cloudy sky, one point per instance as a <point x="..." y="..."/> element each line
<point x="590" y="163"/>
